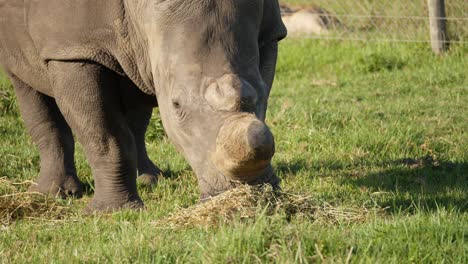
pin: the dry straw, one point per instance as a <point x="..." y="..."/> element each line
<point x="18" y="205"/>
<point x="247" y="203"/>
<point x="240" y="204"/>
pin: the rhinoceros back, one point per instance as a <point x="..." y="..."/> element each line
<point x="35" y="31"/>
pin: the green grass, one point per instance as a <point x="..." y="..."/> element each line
<point x="356" y="125"/>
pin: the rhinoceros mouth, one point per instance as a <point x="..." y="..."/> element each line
<point x="267" y="176"/>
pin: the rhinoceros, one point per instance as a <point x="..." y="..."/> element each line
<point x="94" y="70"/>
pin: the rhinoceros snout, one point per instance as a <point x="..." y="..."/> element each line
<point x="244" y="147"/>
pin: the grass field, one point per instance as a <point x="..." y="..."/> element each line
<point x="373" y="127"/>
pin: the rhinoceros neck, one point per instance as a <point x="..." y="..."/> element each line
<point x="132" y="53"/>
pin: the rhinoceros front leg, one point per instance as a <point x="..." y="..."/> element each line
<point x="53" y="137"/>
<point x="88" y="97"/>
<point x="138" y="120"/>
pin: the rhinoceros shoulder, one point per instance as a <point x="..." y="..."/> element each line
<point x="75" y="30"/>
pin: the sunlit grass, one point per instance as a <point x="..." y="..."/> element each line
<point x="356" y="126"/>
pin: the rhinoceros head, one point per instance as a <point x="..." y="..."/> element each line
<point x="213" y="64"/>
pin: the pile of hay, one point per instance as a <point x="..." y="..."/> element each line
<point x="18" y="205"/>
<point x="242" y="203"/>
<point x="247" y="202"/>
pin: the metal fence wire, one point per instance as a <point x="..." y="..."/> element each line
<point x="381" y="20"/>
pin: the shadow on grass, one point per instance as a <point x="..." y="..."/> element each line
<point x="413" y="184"/>
<point x="169" y="173"/>
<point x="419" y="184"/>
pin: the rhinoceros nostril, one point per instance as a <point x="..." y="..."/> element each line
<point x="261" y="141"/>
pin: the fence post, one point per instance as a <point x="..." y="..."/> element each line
<point x="437" y="24"/>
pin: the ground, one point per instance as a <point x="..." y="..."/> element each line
<point x="372" y="127"/>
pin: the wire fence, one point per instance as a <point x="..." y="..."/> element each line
<point x="380" y="20"/>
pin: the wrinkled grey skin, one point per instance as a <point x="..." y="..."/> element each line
<point x="98" y="67"/>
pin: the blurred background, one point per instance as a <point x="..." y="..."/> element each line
<point x="374" y="20"/>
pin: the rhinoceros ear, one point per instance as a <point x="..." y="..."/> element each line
<point x="272" y="26"/>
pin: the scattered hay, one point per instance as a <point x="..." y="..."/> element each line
<point x="247" y="202"/>
<point x="244" y="203"/>
<point x="20" y="205"/>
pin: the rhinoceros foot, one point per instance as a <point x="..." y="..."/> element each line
<point x="148" y="180"/>
<point x="110" y="205"/>
<point x="148" y="176"/>
<point x="63" y="187"/>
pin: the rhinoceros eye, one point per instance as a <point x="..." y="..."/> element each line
<point x="176" y="104"/>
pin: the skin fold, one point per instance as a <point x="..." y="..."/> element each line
<point x="94" y="70"/>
